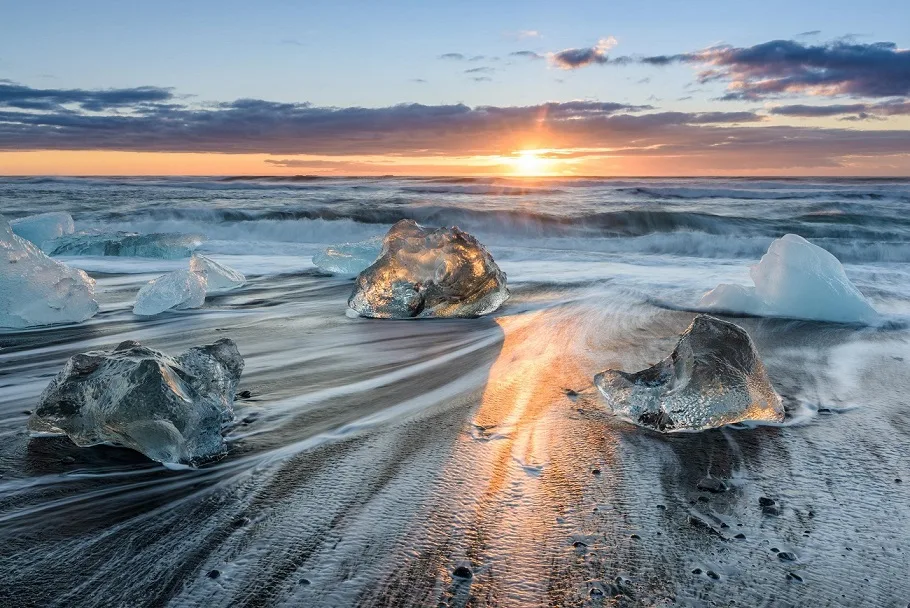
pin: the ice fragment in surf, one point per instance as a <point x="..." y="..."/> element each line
<point x="424" y="273"/>
<point x="798" y="280"/>
<point x="172" y="409"/>
<point x="218" y="278"/>
<point x="713" y="377"/>
<point x="178" y="290"/>
<point x="162" y="245"/>
<point x="36" y="290"/>
<point x="44" y="226"/>
<point x="349" y="258"/>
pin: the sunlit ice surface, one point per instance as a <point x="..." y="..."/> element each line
<point x="373" y="457"/>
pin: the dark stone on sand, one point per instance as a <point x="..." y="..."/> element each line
<point x="570" y="393"/>
<point x="786" y="556"/>
<point x="662" y="507"/>
<point x="595" y="471"/>
<point x="578" y="544"/>
<point x="794" y="577"/>
<point x="713" y="574"/>
<point x="240" y="522"/>
<point x="712" y="484"/>
<point x="635" y="537"/>
<point x="244" y="394"/>
<point x="740" y="536"/>
<point x="775" y="550"/>
<point x="697" y="522"/>
<point x="824" y="410"/>
<point x="214" y="573"/>
<point x="27" y="412"/>
<point x="703" y="499"/>
<point x="897" y="480"/>
<point x="67" y="460"/>
<point x="463" y="571"/>
<point x="766" y="502"/>
<point x="304" y="581"/>
<point x="696" y="571"/>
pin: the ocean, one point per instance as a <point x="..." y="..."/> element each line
<point x="374" y="457"/>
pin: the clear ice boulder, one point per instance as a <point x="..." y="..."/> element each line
<point x="797" y="280"/>
<point x="349" y="258"/>
<point x="172" y="409"/>
<point x="44" y="227"/>
<point x="36" y="290"/>
<point x="160" y="245"/>
<point x="218" y="277"/>
<point x="713" y="377"/>
<point x="178" y="290"/>
<point x="427" y="273"/>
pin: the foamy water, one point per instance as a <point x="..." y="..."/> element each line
<point x="374" y="457"/>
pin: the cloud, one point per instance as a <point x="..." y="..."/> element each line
<point x="293" y="42"/>
<point x="526" y="54"/>
<point x="529" y="34"/>
<point x="480" y="70"/>
<point x="605" y="129"/>
<point x="572" y="59"/>
<point x="452" y="57"/>
<point x="482" y="79"/>
<point x="786" y="67"/>
<point x="860" y="111"/>
<point x="809" y="34"/>
<point x="17" y="96"/>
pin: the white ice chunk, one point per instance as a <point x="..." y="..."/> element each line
<point x="176" y="290"/>
<point x="44" y="226"/>
<point x="349" y="258"/>
<point x="36" y="290"/>
<point x="797" y="280"/>
<point x="218" y="278"/>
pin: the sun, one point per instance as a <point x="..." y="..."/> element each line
<point x="529" y="163"/>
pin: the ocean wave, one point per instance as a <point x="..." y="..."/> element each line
<point x="789" y="193"/>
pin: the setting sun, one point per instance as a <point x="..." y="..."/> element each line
<point x="529" y="163"/>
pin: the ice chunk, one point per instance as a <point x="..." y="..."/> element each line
<point x="349" y="258"/>
<point x="713" y="377"/>
<point x="429" y="273"/>
<point x="172" y="409"/>
<point x="161" y="245"/>
<point x="36" y="290"/>
<point x="798" y="280"/>
<point x="176" y="290"/>
<point x="44" y="226"/>
<point x="218" y="278"/>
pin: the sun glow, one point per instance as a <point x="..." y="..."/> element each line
<point x="529" y="163"/>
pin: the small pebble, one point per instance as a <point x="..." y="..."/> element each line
<point x="305" y="581"/>
<point x="696" y="571"/>
<point x="240" y="522"/>
<point x="214" y="573"/>
<point x="245" y="394"/>
<point x="27" y="412"/>
<point x="775" y="550"/>
<point x="712" y="574"/>
<point x="897" y="480"/>
<point x="795" y="577"/>
<point x="766" y="502"/>
<point x="740" y="536"/>
<point x="463" y="571"/>
<point x="635" y="537"/>
<point x="662" y="507"/>
<point x="703" y="499"/>
<point x="786" y="556"/>
<point x="595" y="471"/>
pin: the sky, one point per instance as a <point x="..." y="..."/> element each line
<point x="505" y="88"/>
